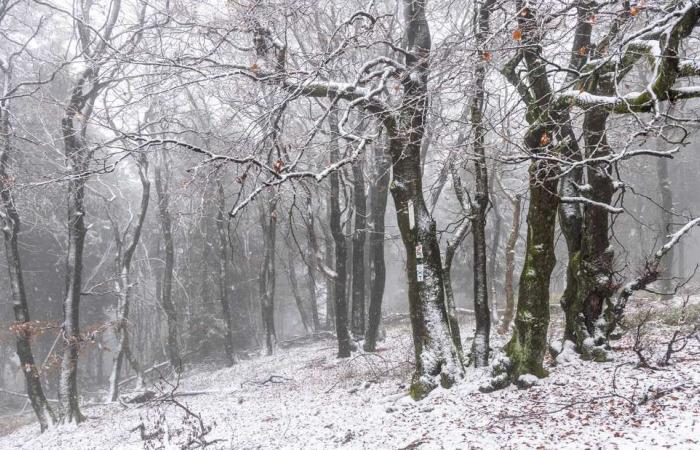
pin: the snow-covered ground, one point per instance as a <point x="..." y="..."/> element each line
<point x="318" y="401"/>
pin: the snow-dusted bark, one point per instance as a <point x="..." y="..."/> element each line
<point x="480" y="345"/>
<point x="77" y="156"/>
<point x="123" y="285"/>
<point x="379" y="192"/>
<point x="162" y="178"/>
<point x="510" y="265"/>
<point x="311" y="253"/>
<point x="358" y="250"/>
<point x="224" y="277"/>
<point x="10" y="220"/>
<point x="268" y="220"/>
<point x="665" y="222"/>
<point x="340" y="290"/>
<point x="437" y="359"/>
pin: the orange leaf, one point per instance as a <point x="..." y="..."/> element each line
<point x="582" y="51"/>
<point x="634" y="11"/>
<point x="487" y="56"/>
<point x="544" y="139"/>
<point x="254" y="67"/>
<point x="517" y="34"/>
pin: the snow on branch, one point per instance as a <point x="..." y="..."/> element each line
<point x="588" y="201"/>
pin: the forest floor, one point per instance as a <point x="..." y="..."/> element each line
<point x="304" y="397"/>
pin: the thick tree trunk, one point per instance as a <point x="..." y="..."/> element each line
<point x="21" y="327"/>
<point x="358" y="251"/>
<point x="527" y="347"/>
<point x="437" y="358"/>
<point x="341" y="303"/>
<point x="595" y="274"/>
<point x="224" y="277"/>
<point x="162" y="176"/>
<point x="571" y="214"/>
<point x="510" y="265"/>
<point x="378" y="199"/>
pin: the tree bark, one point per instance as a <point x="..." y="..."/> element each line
<point x="268" y="272"/>
<point x="482" y="315"/>
<point x="358" y="250"/>
<point x="666" y="223"/>
<point x="224" y="276"/>
<point x="21" y="327"/>
<point x="341" y="306"/>
<point x="311" y="262"/>
<point x="510" y="265"/>
<point x="162" y="178"/>
<point x="437" y="359"/>
<point x="77" y="156"/>
<point x="378" y="200"/>
<point x="124" y="286"/>
<point x="291" y="271"/>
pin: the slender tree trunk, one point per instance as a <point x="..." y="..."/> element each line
<point x="510" y="266"/>
<point x="123" y="285"/>
<point x="341" y="306"/>
<point x="358" y="250"/>
<point x="303" y="313"/>
<point x="311" y="263"/>
<point x="666" y="223"/>
<point x="268" y="219"/>
<point x="162" y="176"/>
<point x="494" y="266"/>
<point x="77" y="157"/>
<point x="482" y="315"/>
<point x="378" y="201"/>
<point x="21" y="327"/>
<point x="330" y="280"/>
<point x="224" y="277"/>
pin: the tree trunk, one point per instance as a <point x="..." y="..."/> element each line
<point x="378" y="200"/>
<point x="437" y="358"/>
<point x="666" y="224"/>
<point x="341" y="306"/>
<point x="162" y="178"/>
<point x="311" y="262"/>
<point x="77" y="158"/>
<point x="482" y="316"/>
<point x="358" y="251"/>
<point x="528" y="345"/>
<point x="268" y="219"/>
<point x="510" y="265"/>
<point x="291" y="271"/>
<point x="224" y="278"/>
<point x="124" y="287"/>
<point x="595" y="274"/>
<point x="21" y="327"/>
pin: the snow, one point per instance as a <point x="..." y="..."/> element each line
<point x="566" y="353"/>
<point x="362" y="402"/>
